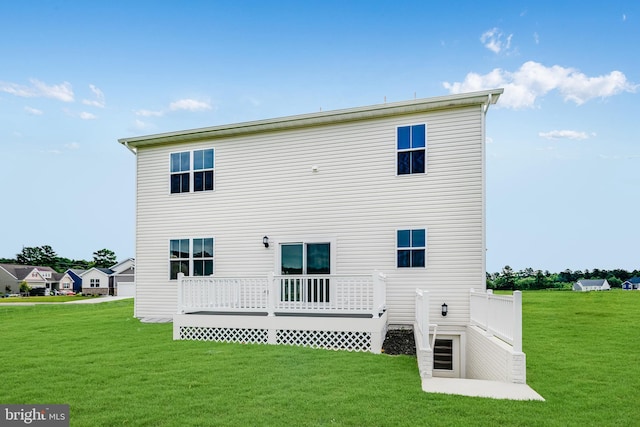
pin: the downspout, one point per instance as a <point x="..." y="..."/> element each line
<point x="485" y="108"/>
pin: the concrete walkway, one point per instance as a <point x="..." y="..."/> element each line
<point x="97" y="300"/>
<point x="480" y="388"/>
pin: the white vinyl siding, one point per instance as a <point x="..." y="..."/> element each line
<point x="265" y="185"/>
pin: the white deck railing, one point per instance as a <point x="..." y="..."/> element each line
<point x="498" y="315"/>
<point x="422" y="318"/>
<point x="329" y="293"/>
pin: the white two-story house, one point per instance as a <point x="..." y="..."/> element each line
<point x="319" y="229"/>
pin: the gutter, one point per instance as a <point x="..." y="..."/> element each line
<point x="126" y="144"/>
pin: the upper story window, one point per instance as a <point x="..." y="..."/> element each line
<point x="412" y="245"/>
<point x="411" y="145"/>
<point x="201" y="175"/>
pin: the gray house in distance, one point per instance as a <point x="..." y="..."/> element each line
<point x="591" y="285"/>
<point x="12" y="275"/>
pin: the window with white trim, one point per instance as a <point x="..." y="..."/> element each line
<point x="192" y="257"/>
<point x="95" y="283"/>
<point x="411" y="248"/>
<point x="411" y="144"/>
<point x="184" y="178"/>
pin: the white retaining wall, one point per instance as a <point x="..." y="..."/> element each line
<point x="489" y="358"/>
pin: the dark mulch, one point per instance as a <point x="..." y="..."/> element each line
<point x="399" y="341"/>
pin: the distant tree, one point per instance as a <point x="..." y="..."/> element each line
<point x="507" y="279"/>
<point x="540" y="280"/>
<point x="49" y="256"/>
<point x="24" y="288"/>
<point x="104" y="258"/>
<point x="43" y="256"/>
<point x="614" y="282"/>
<point x="527" y="272"/>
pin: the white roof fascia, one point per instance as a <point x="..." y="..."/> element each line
<point x="484" y="98"/>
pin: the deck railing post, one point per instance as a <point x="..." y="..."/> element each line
<point x="487" y="312"/>
<point x="272" y="294"/>
<point x="517" y="321"/>
<point x="379" y="293"/>
<point x="425" y="319"/>
<point x="180" y="293"/>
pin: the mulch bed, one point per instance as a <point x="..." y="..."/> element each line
<point x="399" y="341"/>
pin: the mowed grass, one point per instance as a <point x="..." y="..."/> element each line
<point x="51" y="299"/>
<point x="583" y="356"/>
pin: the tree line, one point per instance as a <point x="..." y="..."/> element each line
<point x="45" y="256"/>
<point x="529" y="278"/>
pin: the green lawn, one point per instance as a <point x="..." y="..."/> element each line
<point x="57" y="298"/>
<point x="583" y="356"/>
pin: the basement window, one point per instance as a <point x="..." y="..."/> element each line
<point x="443" y="354"/>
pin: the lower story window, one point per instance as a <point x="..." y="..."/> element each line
<point x="192" y="257"/>
<point x="95" y="283"/>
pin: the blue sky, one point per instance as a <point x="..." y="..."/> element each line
<point x="562" y="155"/>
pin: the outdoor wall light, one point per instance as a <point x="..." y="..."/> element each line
<point x="445" y="309"/>
<point x="265" y="241"/>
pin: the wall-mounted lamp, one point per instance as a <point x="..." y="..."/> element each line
<point x="445" y="309"/>
<point x="265" y="241"/>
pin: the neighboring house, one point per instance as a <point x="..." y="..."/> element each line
<point x="12" y="276"/>
<point x="632" y="284"/>
<point x="591" y="285"/>
<point x="122" y="281"/>
<point x="66" y="283"/>
<point x="76" y="276"/>
<point x="324" y="230"/>
<point x="95" y="281"/>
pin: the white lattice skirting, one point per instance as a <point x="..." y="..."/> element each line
<point x="351" y="334"/>
<point x="244" y="336"/>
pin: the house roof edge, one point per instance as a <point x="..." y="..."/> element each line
<point x="315" y="119"/>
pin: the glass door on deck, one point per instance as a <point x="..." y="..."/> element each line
<point x="310" y="259"/>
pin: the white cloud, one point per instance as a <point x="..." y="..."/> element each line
<point x="495" y="40"/>
<point x="564" y="134"/>
<point x="72" y="146"/>
<point x="33" y="111"/>
<point x="87" y="116"/>
<point x="139" y="125"/>
<point x="180" y="105"/>
<point x="523" y="87"/>
<point x="190" y="105"/>
<point x="37" y="89"/>
<point x="99" y="101"/>
<point x="149" y="113"/>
